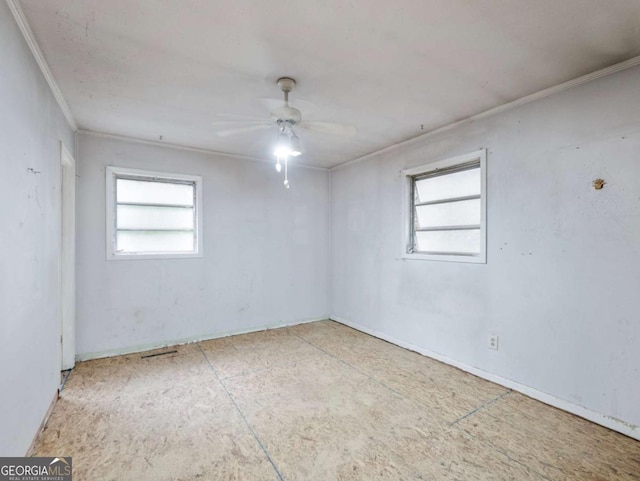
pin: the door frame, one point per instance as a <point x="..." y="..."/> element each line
<point x="68" y="259"/>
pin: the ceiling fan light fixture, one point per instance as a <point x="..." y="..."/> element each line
<point x="288" y="143"/>
<point x="283" y="145"/>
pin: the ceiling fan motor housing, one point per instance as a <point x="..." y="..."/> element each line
<point x="286" y="114"/>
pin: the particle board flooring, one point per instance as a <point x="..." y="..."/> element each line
<point x="315" y="402"/>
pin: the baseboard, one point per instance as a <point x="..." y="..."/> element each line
<point x="598" y="418"/>
<point x="43" y="424"/>
<point x="87" y="356"/>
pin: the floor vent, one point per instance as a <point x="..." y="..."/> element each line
<point x="158" y="354"/>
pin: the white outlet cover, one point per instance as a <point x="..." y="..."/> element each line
<point x="493" y="342"/>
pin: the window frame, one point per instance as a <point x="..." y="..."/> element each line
<point x="114" y="172"/>
<point x="408" y="176"/>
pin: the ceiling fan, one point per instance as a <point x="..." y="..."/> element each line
<point x="285" y="119"/>
<point x="289" y="114"/>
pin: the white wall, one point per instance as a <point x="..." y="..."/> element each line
<point x="266" y="253"/>
<point x="562" y="280"/>
<point x="31" y="128"/>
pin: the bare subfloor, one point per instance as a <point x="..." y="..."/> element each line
<point x="318" y="402"/>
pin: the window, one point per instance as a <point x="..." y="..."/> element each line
<point x="447" y="210"/>
<point x="152" y="215"/>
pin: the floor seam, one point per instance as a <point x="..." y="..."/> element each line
<point x="509" y="457"/>
<point x="341" y="361"/>
<point x="454" y="424"/>
<point x="489" y="444"/>
<point x="481" y="407"/>
<point x="377" y="381"/>
<point x="262" y="370"/>
<point x="244" y="419"/>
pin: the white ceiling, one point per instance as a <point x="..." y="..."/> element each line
<point x="147" y="69"/>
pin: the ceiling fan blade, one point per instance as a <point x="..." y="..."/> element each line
<point x="239" y="123"/>
<point x="237" y="117"/>
<point x="242" y="130"/>
<point x="331" y="128"/>
<point x="271" y="104"/>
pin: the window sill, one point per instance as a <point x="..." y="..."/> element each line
<point x="479" y="259"/>
<point x="137" y="257"/>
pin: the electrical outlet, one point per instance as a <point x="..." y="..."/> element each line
<point x="493" y="342"/>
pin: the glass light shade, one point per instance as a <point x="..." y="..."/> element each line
<point x="283" y="145"/>
<point x="296" y="148"/>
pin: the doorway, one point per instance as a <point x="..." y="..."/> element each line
<point x="68" y="259"/>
